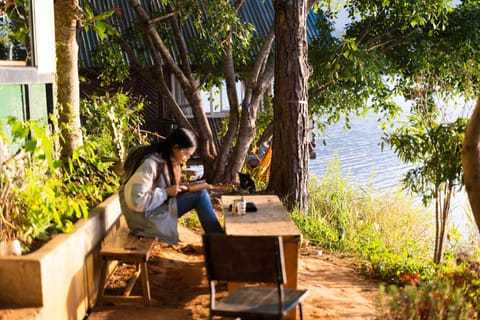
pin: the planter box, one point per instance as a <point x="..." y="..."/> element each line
<point x="59" y="280"/>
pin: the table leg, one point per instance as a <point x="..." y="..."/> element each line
<point x="290" y="250"/>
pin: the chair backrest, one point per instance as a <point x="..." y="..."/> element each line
<point x="244" y="258"/>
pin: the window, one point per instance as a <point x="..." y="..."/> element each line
<point x="215" y="100"/>
<point x="15" y="32"/>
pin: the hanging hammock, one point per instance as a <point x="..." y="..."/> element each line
<point x="262" y="169"/>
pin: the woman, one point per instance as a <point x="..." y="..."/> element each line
<point x="151" y="196"/>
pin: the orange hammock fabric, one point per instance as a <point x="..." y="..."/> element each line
<point x="262" y="169"/>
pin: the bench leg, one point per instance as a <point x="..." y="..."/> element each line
<point x="145" y="283"/>
<point x="101" y="286"/>
<point x="131" y="283"/>
<point x="141" y="271"/>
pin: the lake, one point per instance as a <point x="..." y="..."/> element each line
<point x="360" y="155"/>
<point x="365" y="164"/>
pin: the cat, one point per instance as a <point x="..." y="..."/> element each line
<point x="247" y="183"/>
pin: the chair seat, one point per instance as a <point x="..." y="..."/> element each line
<point x="247" y="260"/>
<point x="258" y="303"/>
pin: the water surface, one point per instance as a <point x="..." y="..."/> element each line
<point x="365" y="164"/>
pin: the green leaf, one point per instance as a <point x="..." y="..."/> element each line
<point x="104" y="15"/>
<point x="88" y="10"/>
<point x="31" y="145"/>
<point x="100" y="28"/>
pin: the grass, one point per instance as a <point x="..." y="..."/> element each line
<point x="389" y="232"/>
<point x="391" y="235"/>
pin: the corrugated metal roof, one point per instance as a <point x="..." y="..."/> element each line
<point x="260" y="13"/>
<point x="123" y="18"/>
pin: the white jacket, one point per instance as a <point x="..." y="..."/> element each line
<point x="148" y="210"/>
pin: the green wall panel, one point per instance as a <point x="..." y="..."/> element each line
<point x="38" y="102"/>
<point x="12" y="99"/>
<point x="23" y="102"/>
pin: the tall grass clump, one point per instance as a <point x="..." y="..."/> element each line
<point x="388" y="232"/>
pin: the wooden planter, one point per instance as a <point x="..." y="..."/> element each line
<point x="59" y="280"/>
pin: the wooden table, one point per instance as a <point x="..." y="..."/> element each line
<point x="271" y="218"/>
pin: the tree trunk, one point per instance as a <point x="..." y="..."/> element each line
<point x="256" y="85"/>
<point x="223" y="165"/>
<point x="232" y="95"/>
<point x="471" y="162"/>
<point x="187" y="82"/>
<point x="67" y="14"/>
<point x="266" y="136"/>
<point x="290" y="159"/>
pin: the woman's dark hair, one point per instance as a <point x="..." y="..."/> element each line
<point x="182" y="137"/>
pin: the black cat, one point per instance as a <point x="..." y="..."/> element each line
<point x="247" y="183"/>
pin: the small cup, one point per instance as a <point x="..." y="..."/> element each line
<point x="243" y="208"/>
<point x="235" y="211"/>
<point x="237" y="207"/>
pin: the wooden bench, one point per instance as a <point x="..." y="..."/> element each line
<point x="122" y="246"/>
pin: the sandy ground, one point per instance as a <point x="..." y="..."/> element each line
<point x="180" y="291"/>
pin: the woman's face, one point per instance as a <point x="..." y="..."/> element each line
<point x="181" y="155"/>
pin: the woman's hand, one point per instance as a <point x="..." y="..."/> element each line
<point x="173" y="190"/>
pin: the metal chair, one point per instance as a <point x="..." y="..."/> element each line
<point x="248" y="260"/>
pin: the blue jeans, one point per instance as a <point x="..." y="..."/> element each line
<point x="200" y="201"/>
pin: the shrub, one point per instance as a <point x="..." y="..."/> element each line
<point x="41" y="195"/>
<point x="451" y="293"/>
<point x="113" y="122"/>
<point x="432" y="300"/>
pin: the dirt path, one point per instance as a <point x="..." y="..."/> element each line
<point x="336" y="291"/>
<point x="180" y="291"/>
